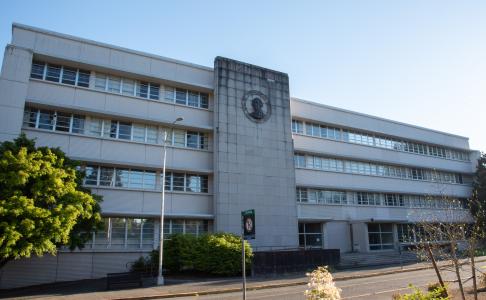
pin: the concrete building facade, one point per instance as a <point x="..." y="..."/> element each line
<point x="317" y="176"/>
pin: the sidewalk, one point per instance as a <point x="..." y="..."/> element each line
<point x="95" y="289"/>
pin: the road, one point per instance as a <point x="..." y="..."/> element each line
<point x="374" y="288"/>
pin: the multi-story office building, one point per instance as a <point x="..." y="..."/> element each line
<point x="317" y="176"/>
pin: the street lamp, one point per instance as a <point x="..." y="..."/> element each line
<point x="160" y="278"/>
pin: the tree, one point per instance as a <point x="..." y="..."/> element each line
<point x="478" y="201"/>
<point x="42" y="202"/>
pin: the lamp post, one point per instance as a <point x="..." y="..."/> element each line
<point x="160" y="278"/>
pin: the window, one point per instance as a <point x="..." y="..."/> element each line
<point x="179" y="138"/>
<point x="53" y="73"/>
<point x="46" y="119"/>
<point x="194" y="227"/>
<point x="193" y="99"/>
<point x="100" y="82"/>
<point x="204" y="100"/>
<point x="169" y="93"/>
<point x="91" y="175"/>
<point x="178" y="182"/>
<point x="299" y="161"/>
<point x="310" y="235"/>
<point x="297" y="126"/>
<point x="154" y="91"/>
<point x="63" y="121"/>
<point x="114" y="84"/>
<point x="196" y="183"/>
<point x="139" y="133"/>
<point x="37" y="70"/>
<point x="122" y="233"/>
<point x="78" y="124"/>
<point x="83" y="78"/>
<point x="69" y="76"/>
<point x="30" y="117"/>
<point x="380" y="236"/>
<point x="121" y="177"/>
<point x="106" y="176"/>
<point x="142" y="89"/>
<point x="181" y="96"/>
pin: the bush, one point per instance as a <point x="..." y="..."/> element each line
<point x="214" y="254"/>
<point x="322" y="286"/>
<point x="482" y="280"/>
<point x="434" y="294"/>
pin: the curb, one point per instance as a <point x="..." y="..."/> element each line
<point x="275" y="285"/>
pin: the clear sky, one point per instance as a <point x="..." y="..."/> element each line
<point x="419" y="62"/>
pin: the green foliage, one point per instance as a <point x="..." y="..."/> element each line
<point x="478" y="201"/>
<point x="435" y="293"/>
<point x="42" y="202"/>
<point x="215" y="254"/>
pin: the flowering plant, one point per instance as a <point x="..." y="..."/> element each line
<point x="321" y="286"/>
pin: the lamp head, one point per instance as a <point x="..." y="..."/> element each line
<point x="179" y="119"/>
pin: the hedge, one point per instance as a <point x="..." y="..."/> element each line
<point x="215" y="254"/>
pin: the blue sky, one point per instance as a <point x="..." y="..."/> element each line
<point x="419" y="62"/>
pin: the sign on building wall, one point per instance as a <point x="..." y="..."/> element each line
<point x="248" y="223"/>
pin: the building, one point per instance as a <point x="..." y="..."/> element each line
<point x="317" y="176"/>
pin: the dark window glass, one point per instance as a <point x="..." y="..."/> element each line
<point x="121" y="177"/>
<point x="63" y="121"/>
<point x="78" y="124"/>
<point x="142" y="89"/>
<point x="37" y="70"/>
<point x="53" y="73"/>
<point x="178" y="182"/>
<point x="193" y="99"/>
<point x="154" y="91"/>
<point x="91" y="176"/>
<point x="30" y="117"/>
<point x="181" y="96"/>
<point x="106" y="176"/>
<point x="69" y="76"/>
<point x="204" y="100"/>
<point x="125" y="131"/>
<point x="46" y="119"/>
<point x="113" y="127"/>
<point x="192" y="139"/>
<point x="83" y="78"/>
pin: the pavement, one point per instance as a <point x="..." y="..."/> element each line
<point x="180" y="287"/>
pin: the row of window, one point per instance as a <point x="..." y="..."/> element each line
<point x="139" y="233"/>
<point x="416" y="233"/>
<point x="143" y="179"/>
<point x="88" y="125"/>
<point x="117" y="84"/>
<point x="60" y="74"/>
<point x="365" y="168"/>
<point x="324" y="196"/>
<point x="323" y="131"/>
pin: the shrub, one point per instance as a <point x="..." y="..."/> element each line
<point x="482" y="280"/>
<point x="434" y="294"/>
<point x="321" y="286"/>
<point x="215" y="254"/>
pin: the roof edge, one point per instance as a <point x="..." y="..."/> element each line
<point x="106" y="45"/>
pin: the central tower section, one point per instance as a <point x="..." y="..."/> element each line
<point x="253" y="153"/>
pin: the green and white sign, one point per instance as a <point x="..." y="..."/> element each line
<point x="248" y="223"/>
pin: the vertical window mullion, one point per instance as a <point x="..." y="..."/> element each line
<point x="106" y="82"/>
<point x="61" y="74"/>
<point x="71" y="123"/>
<point x="113" y="179"/>
<point x="54" y="121"/>
<point x="126" y="233"/>
<point x="121" y="86"/>
<point x="146" y="133"/>
<point x="44" y="74"/>
<point x="98" y="176"/>
<point x="77" y="77"/>
<point x="141" y="233"/>
<point x="37" y="118"/>
<point x="117" y="129"/>
<point x="109" y="232"/>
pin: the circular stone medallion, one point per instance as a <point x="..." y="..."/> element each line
<point x="256" y="106"/>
